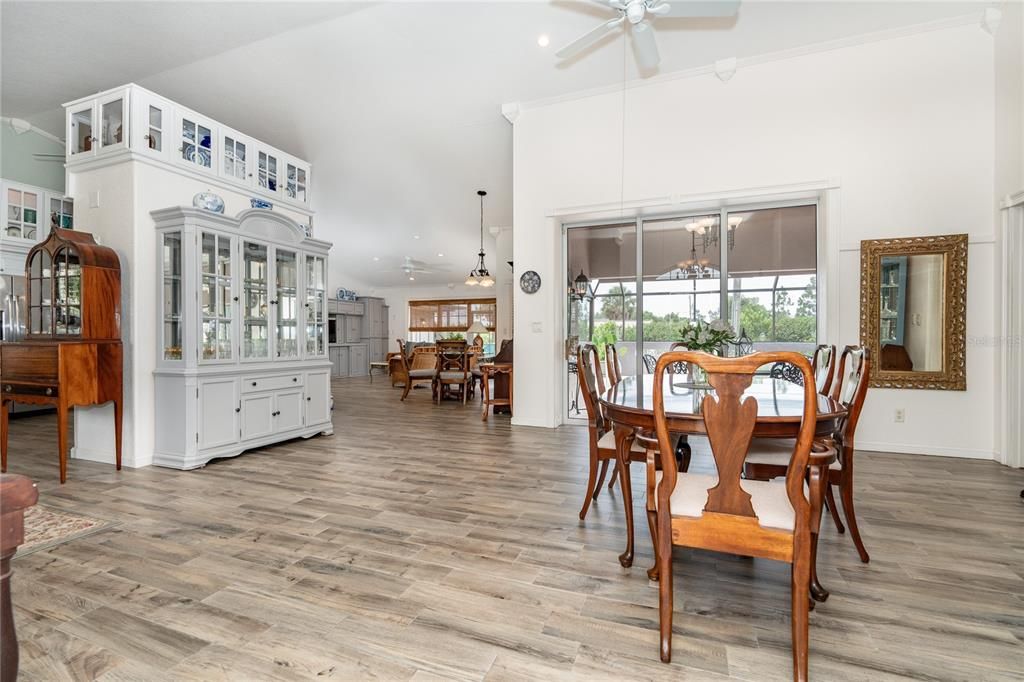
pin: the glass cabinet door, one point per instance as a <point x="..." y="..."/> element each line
<point x="215" y="297"/>
<point x="286" y="301"/>
<point x="266" y="172"/>
<point x="112" y="121"/>
<point x="154" y="136"/>
<point x="316" y="306"/>
<point x="62" y="213"/>
<point x="296" y="182"/>
<point x="196" y="144"/>
<point x="171" y="259"/>
<point x="80" y="133"/>
<point x="22" y="214"/>
<point x="40" y="286"/>
<point x="235" y="152"/>
<point x="67" y="308"/>
<point x="255" y="301"/>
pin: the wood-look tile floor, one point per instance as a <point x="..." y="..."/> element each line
<point x="419" y="543"/>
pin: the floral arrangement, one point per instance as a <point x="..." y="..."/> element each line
<point x="706" y="336"/>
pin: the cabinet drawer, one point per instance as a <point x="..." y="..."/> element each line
<point x="11" y="388"/>
<point x="272" y="383"/>
<point x="29" y="361"/>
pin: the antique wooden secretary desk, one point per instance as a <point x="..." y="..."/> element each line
<point x="72" y="352"/>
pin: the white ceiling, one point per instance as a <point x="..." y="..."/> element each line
<point x="397" y="105"/>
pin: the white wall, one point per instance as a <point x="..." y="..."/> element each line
<point x="19" y="163"/>
<point x="901" y="126"/>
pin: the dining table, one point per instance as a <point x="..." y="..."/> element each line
<point x="628" y="405"/>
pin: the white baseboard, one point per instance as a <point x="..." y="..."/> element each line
<point x="105" y="456"/>
<point x="904" y="449"/>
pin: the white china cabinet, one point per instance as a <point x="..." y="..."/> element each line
<point x="135" y="121"/>
<point x="242" y="349"/>
<point x="29" y="213"/>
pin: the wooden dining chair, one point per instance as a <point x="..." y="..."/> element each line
<point x="452" y="370"/>
<point x="766" y="458"/>
<point x="723" y="512"/>
<point x="824" y="367"/>
<point x="611" y="357"/>
<point x="600" y="432"/>
<point x="412" y="372"/>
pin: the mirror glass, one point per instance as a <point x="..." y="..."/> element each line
<point x="911" y="329"/>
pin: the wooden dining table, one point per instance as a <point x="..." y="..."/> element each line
<point x="629" y="406"/>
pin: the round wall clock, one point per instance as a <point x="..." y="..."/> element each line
<point x="530" y="282"/>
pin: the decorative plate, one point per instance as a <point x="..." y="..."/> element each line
<point x="261" y="203"/>
<point x="208" y="201"/>
<point x="530" y="282"/>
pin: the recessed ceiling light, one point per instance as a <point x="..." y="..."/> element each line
<point x="376" y="258"/>
<point x="411" y="278"/>
<point x="415" y="236"/>
<point x="543" y="40"/>
<point x="440" y="255"/>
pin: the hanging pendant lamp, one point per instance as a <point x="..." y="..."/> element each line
<point x="480" y="275"/>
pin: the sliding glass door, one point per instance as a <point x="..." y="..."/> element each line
<point x="754" y="266"/>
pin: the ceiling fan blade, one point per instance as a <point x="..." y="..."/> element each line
<point x="614" y="4"/>
<point x="645" y="46"/>
<point x="685" y="8"/>
<point x="588" y="39"/>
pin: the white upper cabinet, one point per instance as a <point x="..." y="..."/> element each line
<point x="132" y="119"/>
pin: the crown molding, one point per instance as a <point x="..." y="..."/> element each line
<point x="516" y="108"/>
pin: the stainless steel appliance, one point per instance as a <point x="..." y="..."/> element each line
<point x="13" y="311"/>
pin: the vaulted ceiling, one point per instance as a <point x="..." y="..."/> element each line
<point x="397" y="105"/>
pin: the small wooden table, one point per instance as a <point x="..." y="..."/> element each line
<point x="629" y="406"/>
<point x="491" y="370"/>
<point x="378" y="365"/>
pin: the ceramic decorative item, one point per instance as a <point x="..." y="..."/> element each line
<point x="530" y="282"/>
<point x="261" y="203"/>
<point x="208" y="201"/>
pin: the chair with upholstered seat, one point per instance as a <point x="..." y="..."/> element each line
<point x="722" y="512"/>
<point x="823" y="366"/>
<point x="766" y="458"/>
<point x="418" y="369"/>
<point x="452" y="371"/>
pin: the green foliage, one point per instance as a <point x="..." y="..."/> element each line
<point x="807" y="304"/>
<point x="756" y="320"/>
<point x="606" y="332"/>
<point x="619" y="305"/>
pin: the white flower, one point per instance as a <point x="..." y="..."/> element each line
<point x="721" y="326"/>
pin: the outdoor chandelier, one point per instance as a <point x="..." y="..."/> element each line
<point x="480" y="275"/>
<point x="705" y="228"/>
<point x="693" y="268"/>
<point x="579" y="288"/>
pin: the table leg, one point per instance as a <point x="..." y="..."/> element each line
<point x="5" y="408"/>
<point x="818" y="479"/>
<point x="62" y="439"/>
<point x="623" y="443"/>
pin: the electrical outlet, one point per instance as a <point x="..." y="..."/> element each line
<point x="899" y="416"/>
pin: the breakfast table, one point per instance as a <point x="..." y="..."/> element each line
<point x="629" y="406"/>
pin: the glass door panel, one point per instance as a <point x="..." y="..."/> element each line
<point x="772" y="265"/>
<point x="112" y="122"/>
<point x="215" y="298"/>
<point x="266" y="177"/>
<point x="255" y="301"/>
<point x="601" y="290"/>
<point x="196" y="143"/>
<point x="22" y="214"/>
<point x="81" y="137"/>
<point x="234" y="158"/>
<point x="155" y="135"/>
<point x="68" y="293"/>
<point x="62" y="213"/>
<point x="171" y="259"/>
<point x="40" y="294"/>
<point x="316" y="306"/>
<point x="296" y="183"/>
<point x="286" y="300"/>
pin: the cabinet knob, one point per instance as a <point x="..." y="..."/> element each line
<point x="254" y="383"/>
<point x="49" y="391"/>
<point x="238" y="409"/>
<point x="308" y="399"/>
<point x="235" y="299"/>
<point x="8" y="388"/>
<point x="273" y="303"/>
<point x="295" y="378"/>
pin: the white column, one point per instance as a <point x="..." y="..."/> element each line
<point x="1011" y="338"/>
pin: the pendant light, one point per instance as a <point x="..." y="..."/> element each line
<point x="480" y="275"/>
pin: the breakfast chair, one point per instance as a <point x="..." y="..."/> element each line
<point x="601" y="434"/>
<point x="824" y="367"/>
<point x="611" y="357"/>
<point x="767" y="459"/>
<point x="410" y="373"/>
<point x="722" y="512"/>
<point x="452" y="370"/>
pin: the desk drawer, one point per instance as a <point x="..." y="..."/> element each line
<point x="270" y="383"/>
<point x="29" y="362"/>
<point x="10" y="388"/>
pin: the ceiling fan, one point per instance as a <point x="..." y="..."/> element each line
<point x="639" y="14"/>
<point x="412" y="267"/>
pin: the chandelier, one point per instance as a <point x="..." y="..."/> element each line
<point x="480" y="275"/>
<point x="579" y="288"/>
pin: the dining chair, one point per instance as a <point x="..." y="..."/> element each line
<point x="722" y="512"/>
<point x="766" y="458"/>
<point x="412" y="372"/>
<point x="650" y="362"/>
<point x="474" y="369"/>
<point x="600" y="432"/>
<point x="824" y="367"/>
<point x="452" y="370"/>
<point x="611" y="357"/>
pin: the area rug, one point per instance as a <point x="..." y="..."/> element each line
<point x="46" y="527"/>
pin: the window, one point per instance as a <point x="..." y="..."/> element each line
<point x="431" y="321"/>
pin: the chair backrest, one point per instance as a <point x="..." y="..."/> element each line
<point x="729" y="421"/>
<point x="611" y="356"/>
<point x="451" y="344"/>
<point x="453" y="361"/>
<point x="787" y="371"/>
<point x="650" y="362"/>
<point x="402" y="351"/>
<point x="824" y="366"/>
<point x="588" y="368"/>
<point x="851" y="388"/>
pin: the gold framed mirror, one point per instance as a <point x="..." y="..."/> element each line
<point x="913" y="309"/>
